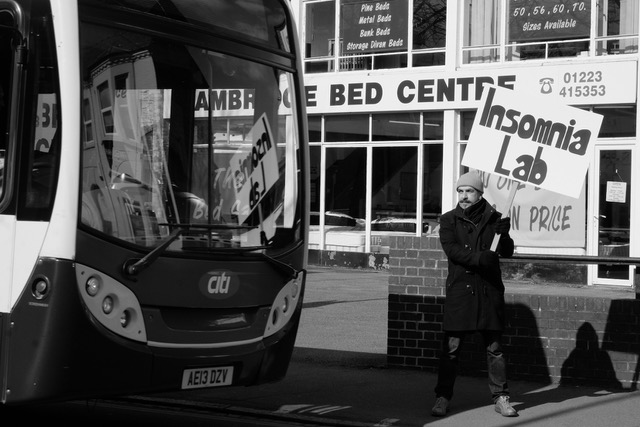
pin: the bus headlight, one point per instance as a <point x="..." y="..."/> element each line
<point x="111" y="303"/>
<point x="125" y="317"/>
<point x="93" y="286"/>
<point x="107" y="305"/>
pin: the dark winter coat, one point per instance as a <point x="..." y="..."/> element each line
<point x="475" y="292"/>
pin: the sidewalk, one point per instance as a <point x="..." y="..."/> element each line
<point x="338" y="375"/>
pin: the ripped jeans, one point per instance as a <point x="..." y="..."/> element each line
<point x="496" y="363"/>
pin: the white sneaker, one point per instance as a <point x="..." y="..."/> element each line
<point x="504" y="407"/>
<point x="441" y="407"/>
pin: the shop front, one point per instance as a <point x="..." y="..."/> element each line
<point x="389" y="123"/>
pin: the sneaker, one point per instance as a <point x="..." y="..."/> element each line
<point x="504" y="407"/>
<point x="441" y="407"/>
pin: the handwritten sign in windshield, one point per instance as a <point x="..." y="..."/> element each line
<point x="254" y="170"/>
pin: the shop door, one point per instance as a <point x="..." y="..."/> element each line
<point x="612" y="214"/>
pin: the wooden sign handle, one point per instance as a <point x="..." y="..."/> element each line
<point x="505" y="211"/>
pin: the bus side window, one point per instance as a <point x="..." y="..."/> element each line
<point x="6" y="61"/>
<point x="44" y="136"/>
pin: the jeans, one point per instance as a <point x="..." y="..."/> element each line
<point x="496" y="364"/>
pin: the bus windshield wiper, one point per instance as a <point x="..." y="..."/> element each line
<point x="134" y="266"/>
<point x="286" y="269"/>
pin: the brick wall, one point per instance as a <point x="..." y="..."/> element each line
<point x="553" y="334"/>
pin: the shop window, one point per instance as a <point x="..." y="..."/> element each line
<point x="345" y="180"/>
<point x="431" y="185"/>
<point x="481" y="37"/>
<point x="617" y="27"/>
<point x="429" y="32"/>
<point x="314" y="177"/>
<point x="617" y="121"/>
<point x="314" y="124"/>
<point x="372" y="35"/>
<point x="348" y="128"/>
<point x="466" y="123"/>
<point x="536" y="30"/>
<point x="396" y="127"/>
<point x="532" y="32"/>
<point x="393" y="198"/>
<point x="319" y="36"/>
<point x="433" y="126"/>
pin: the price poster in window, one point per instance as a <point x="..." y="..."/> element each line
<point x="531" y="20"/>
<point x="616" y="192"/>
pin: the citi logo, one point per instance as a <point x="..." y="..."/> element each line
<point x="219" y="284"/>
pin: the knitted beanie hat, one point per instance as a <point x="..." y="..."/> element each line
<point x="471" y="179"/>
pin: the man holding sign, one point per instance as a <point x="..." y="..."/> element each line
<point x="474" y="290"/>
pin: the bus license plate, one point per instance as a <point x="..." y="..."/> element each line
<point x="207" y="377"/>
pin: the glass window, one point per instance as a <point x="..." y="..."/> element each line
<point x="531" y="33"/>
<point x="44" y="153"/>
<point x="345" y="180"/>
<point x="395" y="127"/>
<point x="614" y="211"/>
<point x="320" y="33"/>
<point x="314" y="178"/>
<point x="372" y="35"/>
<point x="466" y="123"/>
<point x="315" y="128"/>
<point x="393" y="197"/>
<point x="353" y="127"/>
<point x="6" y="53"/>
<point x="617" y="121"/>
<point x="222" y="173"/>
<point x="433" y="126"/>
<point x="432" y="184"/>
<point x="618" y="27"/>
<point x="429" y="31"/>
<point x="481" y="37"/>
<point x="536" y="30"/>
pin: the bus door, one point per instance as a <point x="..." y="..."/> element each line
<point x="7" y="210"/>
<point x="28" y="95"/>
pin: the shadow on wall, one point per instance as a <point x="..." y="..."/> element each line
<point x="588" y="358"/>
<point x="542" y="357"/>
<point x="622" y="334"/>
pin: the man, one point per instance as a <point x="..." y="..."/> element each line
<point x="475" y="292"/>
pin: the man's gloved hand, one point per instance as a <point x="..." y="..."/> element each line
<point x="489" y="260"/>
<point x="502" y="226"/>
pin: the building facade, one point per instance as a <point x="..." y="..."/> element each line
<point x="392" y="92"/>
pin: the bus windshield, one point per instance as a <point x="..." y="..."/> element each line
<point x="181" y="135"/>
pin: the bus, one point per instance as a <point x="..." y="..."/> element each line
<point x="153" y="196"/>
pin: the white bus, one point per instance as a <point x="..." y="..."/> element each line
<point x="153" y="195"/>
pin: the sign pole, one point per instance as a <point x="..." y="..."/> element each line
<point x="505" y="211"/>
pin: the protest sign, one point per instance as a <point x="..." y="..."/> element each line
<point x="531" y="140"/>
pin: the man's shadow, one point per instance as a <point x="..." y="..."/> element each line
<point x="587" y="364"/>
<point x="587" y="371"/>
